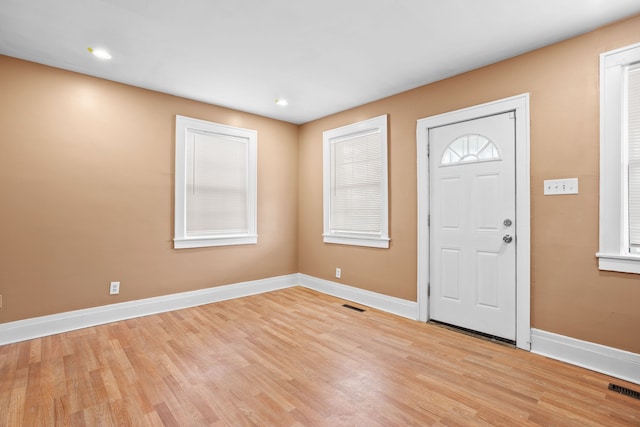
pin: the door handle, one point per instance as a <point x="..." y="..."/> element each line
<point x="507" y="239"/>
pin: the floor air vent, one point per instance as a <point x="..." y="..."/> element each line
<point x="353" y="308"/>
<point x="625" y="391"/>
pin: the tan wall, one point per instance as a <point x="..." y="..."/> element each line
<point x="570" y="296"/>
<point x="86" y="187"/>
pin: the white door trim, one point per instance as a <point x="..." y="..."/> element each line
<point x="519" y="104"/>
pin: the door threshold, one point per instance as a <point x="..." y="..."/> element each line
<point x="481" y="335"/>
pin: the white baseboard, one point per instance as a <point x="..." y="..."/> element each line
<point x="606" y="360"/>
<point x="382" y="302"/>
<point x="37" y="327"/>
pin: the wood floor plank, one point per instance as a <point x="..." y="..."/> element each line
<point x="17" y="398"/>
<point x="294" y="358"/>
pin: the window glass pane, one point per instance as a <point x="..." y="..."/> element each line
<point x="215" y="184"/>
<point x="470" y="149"/>
<point x="356" y="184"/>
<point x="619" y="237"/>
<point x="633" y="138"/>
<point x="216" y="187"/>
<point x="355" y="192"/>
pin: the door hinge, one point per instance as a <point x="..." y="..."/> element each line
<point x="428" y="220"/>
<point x="428" y="289"/>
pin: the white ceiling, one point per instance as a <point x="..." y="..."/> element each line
<point x="323" y="56"/>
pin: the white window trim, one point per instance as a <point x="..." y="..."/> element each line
<point x="357" y="239"/>
<point x="613" y="254"/>
<point x="181" y="240"/>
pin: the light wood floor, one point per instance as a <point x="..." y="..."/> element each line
<point x="293" y="358"/>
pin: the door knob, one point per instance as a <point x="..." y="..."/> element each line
<point x="507" y="239"/>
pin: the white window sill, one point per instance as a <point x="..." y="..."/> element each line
<point x="616" y="262"/>
<point x="373" y="242"/>
<point x="204" y="242"/>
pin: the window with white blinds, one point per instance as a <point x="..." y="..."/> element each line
<point x="620" y="160"/>
<point x="355" y="184"/>
<point x="215" y="184"/>
<point x="633" y="143"/>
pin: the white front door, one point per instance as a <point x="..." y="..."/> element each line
<point x="472" y="225"/>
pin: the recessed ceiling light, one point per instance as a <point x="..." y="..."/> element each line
<point x="100" y="53"/>
<point x="282" y="102"/>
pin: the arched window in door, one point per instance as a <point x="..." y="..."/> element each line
<point x="470" y="149"/>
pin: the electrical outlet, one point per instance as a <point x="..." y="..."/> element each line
<point x="338" y="272"/>
<point x="114" y="288"/>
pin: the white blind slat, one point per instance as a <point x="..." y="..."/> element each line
<point x="633" y="96"/>
<point x="216" y="187"/>
<point x="356" y="187"/>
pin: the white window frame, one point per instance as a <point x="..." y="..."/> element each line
<point x="614" y="253"/>
<point x="181" y="239"/>
<point x="345" y="237"/>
